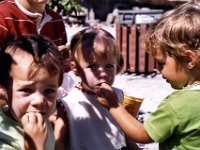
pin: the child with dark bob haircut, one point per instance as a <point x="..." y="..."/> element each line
<point x="31" y="72"/>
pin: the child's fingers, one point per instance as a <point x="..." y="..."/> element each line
<point x="106" y="96"/>
<point x="32" y="118"/>
<point x="103" y="102"/>
<point x="106" y="91"/>
<point x="105" y="86"/>
<point x="39" y="118"/>
<point x="24" y="119"/>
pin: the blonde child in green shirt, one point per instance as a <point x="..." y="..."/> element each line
<point x="174" y="41"/>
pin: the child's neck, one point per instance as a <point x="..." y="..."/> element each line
<point x="32" y="7"/>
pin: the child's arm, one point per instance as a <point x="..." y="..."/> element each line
<point x="132" y="127"/>
<point x="35" y="131"/>
<point x="60" y="125"/>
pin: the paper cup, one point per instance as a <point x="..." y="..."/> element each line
<point x="132" y="104"/>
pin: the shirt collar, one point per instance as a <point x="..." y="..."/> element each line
<point x="41" y="18"/>
<point x="194" y="86"/>
<point x="28" y="12"/>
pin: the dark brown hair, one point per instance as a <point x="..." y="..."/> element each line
<point x="95" y="44"/>
<point x="45" y="55"/>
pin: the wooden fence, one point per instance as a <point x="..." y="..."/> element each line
<point x="131" y="41"/>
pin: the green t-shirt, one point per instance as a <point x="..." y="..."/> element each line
<point x="11" y="134"/>
<point x="176" y="122"/>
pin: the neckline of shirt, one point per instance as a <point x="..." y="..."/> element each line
<point x="28" y="12"/>
<point x="194" y="86"/>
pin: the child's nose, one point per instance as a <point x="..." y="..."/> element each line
<point x="38" y="99"/>
<point x="102" y="72"/>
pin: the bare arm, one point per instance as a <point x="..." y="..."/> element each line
<point x="59" y="122"/>
<point x="131" y="126"/>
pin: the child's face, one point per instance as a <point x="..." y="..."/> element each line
<point x="31" y="95"/>
<point x="96" y="73"/>
<point x="174" y="74"/>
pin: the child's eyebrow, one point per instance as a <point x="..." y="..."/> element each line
<point x="25" y="83"/>
<point x="32" y="83"/>
<point x="52" y="85"/>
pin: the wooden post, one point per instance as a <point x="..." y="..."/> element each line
<point x="132" y="51"/>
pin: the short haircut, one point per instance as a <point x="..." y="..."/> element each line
<point x="176" y="31"/>
<point x="44" y="52"/>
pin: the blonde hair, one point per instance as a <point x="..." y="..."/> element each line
<point x="93" y="44"/>
<point x="176" y="31"/>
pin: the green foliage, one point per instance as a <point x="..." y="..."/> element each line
<point x="65" y="7"/>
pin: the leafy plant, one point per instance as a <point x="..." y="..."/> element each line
<point x="65" y="7"/>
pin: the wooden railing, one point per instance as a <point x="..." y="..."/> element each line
<point x="131" y="41"/>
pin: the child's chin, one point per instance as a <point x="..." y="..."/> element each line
<point x="176" y="87"/>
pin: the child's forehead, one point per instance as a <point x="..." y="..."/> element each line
<point x="16" y="52"/>
<point x="100" y="57"/>
<point x="102" y="60"/>
<point x="21" y="62"/>
<point x="21" y="57"/>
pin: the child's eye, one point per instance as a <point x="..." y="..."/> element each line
<point x="26" y="90"/>
<point x="93" y="66"/>
<point x="49" y="91"/>
<point x="109" y="66"/>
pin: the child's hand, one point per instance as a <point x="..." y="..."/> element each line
<point x="35" y="131"/>
<point x="106" y="96"/>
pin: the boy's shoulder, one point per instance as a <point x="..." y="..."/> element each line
<point x="7" y="2"/>
<point x="7" y="6"/>
<point x="183" y="93"/>
<point x="10" y="131"/>
<point x="6" y="119"/>
<point x="182" y="102"/>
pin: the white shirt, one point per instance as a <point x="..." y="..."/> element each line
<point x="91" y="126"/>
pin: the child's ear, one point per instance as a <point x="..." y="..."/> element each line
<point x="192" y="58"/>
<point x="74" y="67"/>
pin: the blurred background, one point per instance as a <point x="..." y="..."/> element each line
<point x="105" y="11"/>
<point x="126" y="20"/>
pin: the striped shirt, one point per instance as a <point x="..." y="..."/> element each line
<point x="16" y="20"/>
